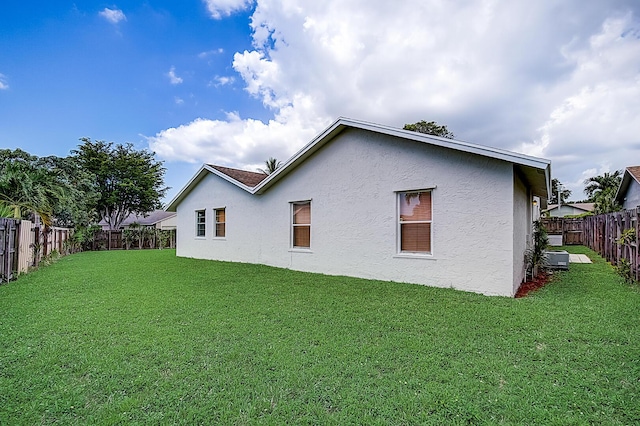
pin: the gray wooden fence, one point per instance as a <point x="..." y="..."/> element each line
<point x="8" y="249"/>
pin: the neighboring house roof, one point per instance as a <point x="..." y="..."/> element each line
<point x="587" y="207"/>
<point x="150" y="219"/>
<point x="630" y="174"/>
<point x="535" y="171"/>
<point x="247" y="178"/>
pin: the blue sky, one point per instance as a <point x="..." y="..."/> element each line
<point x="233" y="82"/>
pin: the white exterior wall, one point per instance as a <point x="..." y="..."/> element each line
<point x="522" y="228"/>
<point x="168" y="223"/>
<point x="632" y="198"/>
<point x="353" y="183"/>
<point x="565" y="210"/>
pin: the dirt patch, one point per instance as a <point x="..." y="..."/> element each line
<point x="536" y="283"/>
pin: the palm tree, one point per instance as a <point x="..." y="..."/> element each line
<point x="599" y="184"/>
<point x="602" y="191"/>
<point x="28" y="190"/>
<point x="271" y="165"/>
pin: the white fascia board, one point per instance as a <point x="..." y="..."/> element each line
<point x="171" y="207"/>
<point x="206" y="168"/>
<point x="483" y="150"/>
<point x="229" y="179"/>
<point x="624" y="184"/>
<point x="341" y="123"/>
<point x="316" y="143"/>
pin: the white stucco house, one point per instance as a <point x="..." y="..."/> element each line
<point x="373" y="201"/>
<point x="628" y="195"/>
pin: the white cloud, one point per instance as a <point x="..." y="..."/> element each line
<point x="208" y="53"/>
<point x="234" y="142"/>
<point x="178" y="100"/>
<point x="561" y="80"/>
<point x="173" y="78"/>
<point x="594" y="124"/>
<point x="222" y="81"/>
<point x="220" y="8"/>
<point x="114" y="16"/>
<point x="3" y="82"/>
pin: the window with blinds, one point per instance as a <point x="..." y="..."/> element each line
<point x="201" y="224"/>
<point x="301" y="224"/>
<point x="220" y="222"/>
<point x="414" y="222"/>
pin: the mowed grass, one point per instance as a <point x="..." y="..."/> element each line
<point x="143" y="337"/>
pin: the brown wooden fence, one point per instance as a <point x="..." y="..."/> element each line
<point x="142" y="238"/>
<point x="604" y="234"/>
<point x="615" y="236"/>
<point x="572" y="230"/>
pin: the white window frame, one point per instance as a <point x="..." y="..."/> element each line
<point x="216" y="223"/>
<point x="293" y="205"/>
<point x="203" y="223"/>
<point x="399" y="222"/>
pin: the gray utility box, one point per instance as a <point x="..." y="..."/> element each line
<point x="558" y="259"/>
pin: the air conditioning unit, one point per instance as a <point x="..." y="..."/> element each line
<point x="558" y="259"/>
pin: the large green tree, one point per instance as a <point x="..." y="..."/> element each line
<point x="127" y="180"/>
<point x="556" y="187"/>
<point x="54" y="188"/>
<point x="601" y="190"/>
<point x="430" y="128"/>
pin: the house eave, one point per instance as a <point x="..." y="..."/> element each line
<point x="627" y="178"/>
<point x="536" y="170"/>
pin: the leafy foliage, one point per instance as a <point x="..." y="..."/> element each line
<point x="271" y="165"/>
<point x="564" y="194"/>
<point x="430" y="128"/>
<point x="53" y="188"/>
<point x="601" y="190"/>
<point x="535" y="257"/>
<point x="128" y="181"/>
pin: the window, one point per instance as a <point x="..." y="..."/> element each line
<point x="414" y="224"/>
<point x="220" y="218"/>
<point x="200" y="223"/>
<point x="301" y="223"/>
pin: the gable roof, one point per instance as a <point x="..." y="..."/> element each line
<point x="150" y="219"/>
<point x="587" y="207"/>
<point x="630" y="174"/>
<point x="535" y="171"/>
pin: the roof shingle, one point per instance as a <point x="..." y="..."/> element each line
<point x="635" y="172"/>
<point x="248" y="178"/>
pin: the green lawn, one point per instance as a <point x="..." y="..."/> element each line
<point x="128" y="337"/>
